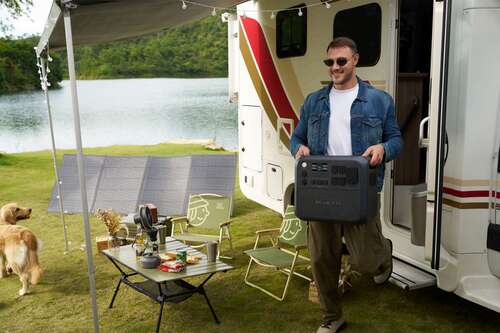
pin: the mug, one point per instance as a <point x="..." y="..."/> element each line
<point x="212" y="251"/>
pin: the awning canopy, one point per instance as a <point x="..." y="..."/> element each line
<point x="97" y="21"/>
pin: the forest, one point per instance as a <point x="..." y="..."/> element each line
<point x="196" y="49"/>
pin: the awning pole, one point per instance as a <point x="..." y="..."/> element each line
<point x="80" y="160"/>
<point x="54" y="156"/>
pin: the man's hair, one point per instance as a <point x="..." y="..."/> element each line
<point x="343" y="42"/>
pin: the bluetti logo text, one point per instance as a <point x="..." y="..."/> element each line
<point x="328" y="203"/>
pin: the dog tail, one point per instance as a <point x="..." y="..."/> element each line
<point x="33" y="245"/>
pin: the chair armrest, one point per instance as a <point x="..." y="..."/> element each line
<point x="264" y="232"/>
<point x="179" y="219"/>
<point x="225" y="223"/>
<point x="267" y="231"/>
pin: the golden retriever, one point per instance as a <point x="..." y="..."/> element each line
<point x="18" y="247"/>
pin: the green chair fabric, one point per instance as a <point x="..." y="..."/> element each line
<point x="293" y="231"/>
<point x="275" y="257"/>
<point x="209" y="212"/>
<point x="292" y="234"/>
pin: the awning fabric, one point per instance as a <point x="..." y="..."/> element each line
<point x="97" y="21"/>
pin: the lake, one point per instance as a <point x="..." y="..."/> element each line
<point x="126" y="111"/>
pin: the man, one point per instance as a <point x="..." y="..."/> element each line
<point x="348" y="117"/>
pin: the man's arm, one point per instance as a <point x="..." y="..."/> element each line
<point x="391" y="135"/>
<point x="299" y="136"/>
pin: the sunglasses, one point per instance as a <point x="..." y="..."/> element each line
<point x="340" y="61"/>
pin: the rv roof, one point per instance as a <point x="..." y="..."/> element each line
<point x="97" y="21"/>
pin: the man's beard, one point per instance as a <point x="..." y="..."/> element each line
<point x="344" y="78"/>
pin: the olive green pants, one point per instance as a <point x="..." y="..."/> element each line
<point x="368" y="249"/>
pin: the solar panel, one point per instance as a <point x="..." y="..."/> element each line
<point x="124" y="182"/>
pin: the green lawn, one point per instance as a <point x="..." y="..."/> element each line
<point x="61" y="303"/>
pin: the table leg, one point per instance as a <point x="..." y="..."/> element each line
<point x="116" y="292"/>
<point x="159" y="317"/>
<point x="202" y="291"/>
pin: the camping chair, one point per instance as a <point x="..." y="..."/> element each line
<point x="292" y="233"/>
<point x="209" y="212"/>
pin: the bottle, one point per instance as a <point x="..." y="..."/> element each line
<point x="139" y="242"/>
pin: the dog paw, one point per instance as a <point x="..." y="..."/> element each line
<point x="23" y="292"/>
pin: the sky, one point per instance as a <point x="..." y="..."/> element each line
<point x="33" y="22"/>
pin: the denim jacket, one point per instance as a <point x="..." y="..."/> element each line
<point x="373" y="121"/>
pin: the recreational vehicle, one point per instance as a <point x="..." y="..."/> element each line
<point x="440" y="62"/>
<point x="438" y="59"/>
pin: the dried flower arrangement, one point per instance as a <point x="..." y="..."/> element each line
<point x="111" y="220"/>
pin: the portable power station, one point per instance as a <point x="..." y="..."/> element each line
<point x="337" y="189"/>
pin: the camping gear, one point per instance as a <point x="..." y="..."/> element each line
<point x="293" y="234"/>
<point x="162" y="233"/>
<point x="164" y="287"/>
<point x="210" y="212"/>
<point x="125" y="182"/>
<point x="211" y="251"/>
<point x="340" y="189"/>
<point x="144" y="218"/>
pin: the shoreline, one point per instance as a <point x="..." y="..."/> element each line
<point x="208" y="144"/>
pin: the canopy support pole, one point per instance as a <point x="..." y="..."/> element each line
<point x="54" y="156"/>
<point x="80" y="159"/>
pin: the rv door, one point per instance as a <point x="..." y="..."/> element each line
<point x="437" y="141"/>
<point x="493" y="237"/>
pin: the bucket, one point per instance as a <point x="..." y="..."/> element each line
<point x="418" y="217"/>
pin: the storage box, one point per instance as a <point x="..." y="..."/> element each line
<point x="154" y="212"/>
<point x="102" y="243"/>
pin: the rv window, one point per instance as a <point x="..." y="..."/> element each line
<point x="291" y="33"/>
<point x="363" y="24"/>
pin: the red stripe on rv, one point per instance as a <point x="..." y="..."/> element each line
<point x="468" y="194"/>
<point x="267" y="69"/>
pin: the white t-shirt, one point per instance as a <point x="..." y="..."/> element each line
<point x="339" y="133"/>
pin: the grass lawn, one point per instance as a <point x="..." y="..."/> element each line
<point x="61" y="303"/>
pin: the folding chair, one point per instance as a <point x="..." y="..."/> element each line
<point x="292" y="233"/>
<point x="210" y="212"/>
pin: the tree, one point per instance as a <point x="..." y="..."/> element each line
<point x="14" y="9"/>
<point x="18" y="69"/>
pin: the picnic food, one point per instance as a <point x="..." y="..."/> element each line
<point x="173" y="266"/>
<point x="171" y="256"/>
<point x="192" y="259"/>
<point x="167" y="256"/>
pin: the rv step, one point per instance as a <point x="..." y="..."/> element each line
<point x="409" y="277"/>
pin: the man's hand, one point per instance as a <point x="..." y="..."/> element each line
<point x="377" y="154"/>
<point x="302" y="151"/>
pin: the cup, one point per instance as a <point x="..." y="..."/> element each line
<point x="181" y="256"/>
<point x="162" y="233"/>
<point x="211" y="251"/>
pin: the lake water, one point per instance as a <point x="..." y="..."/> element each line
<point x="128" y="111"/>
